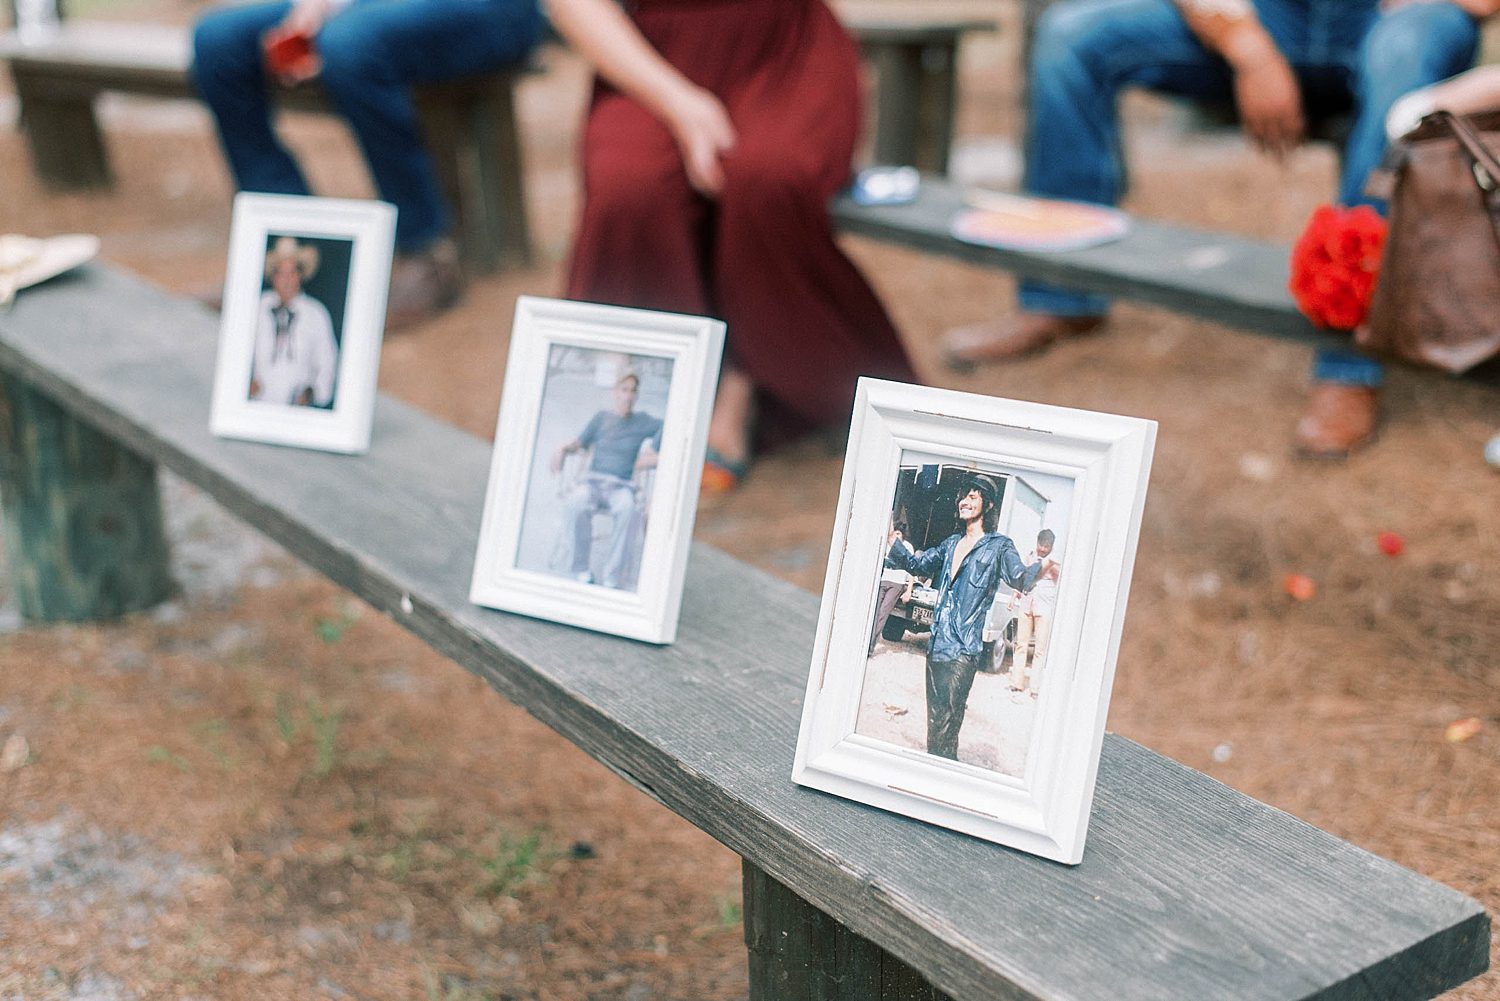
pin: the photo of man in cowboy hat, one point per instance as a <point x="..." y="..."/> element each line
<point x="296" y="352"/>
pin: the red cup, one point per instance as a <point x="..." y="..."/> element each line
<point x="290" y="56"/>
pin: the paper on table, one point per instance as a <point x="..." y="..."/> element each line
<point x="1017" y="222"/>
<point x="26" y="261"/>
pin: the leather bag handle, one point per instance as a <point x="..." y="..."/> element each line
<point x="1482" y="163"/>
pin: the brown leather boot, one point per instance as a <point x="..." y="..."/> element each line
<point x="423" y="284"/>
<point x="1339" y="420"/>
<point x="1017" y="335"/>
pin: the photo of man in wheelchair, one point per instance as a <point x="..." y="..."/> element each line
<point x="604" y="474"/>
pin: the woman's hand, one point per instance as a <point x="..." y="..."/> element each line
<point x="700" y="123"/>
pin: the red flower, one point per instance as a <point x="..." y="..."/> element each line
<point x="1335" y="263"/>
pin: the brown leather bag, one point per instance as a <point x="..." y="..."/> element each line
<point x="1438" y="299"/>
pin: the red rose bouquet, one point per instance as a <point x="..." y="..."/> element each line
<point x="1335" y="263"/>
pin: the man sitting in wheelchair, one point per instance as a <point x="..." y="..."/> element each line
<point x="621" y="442"/>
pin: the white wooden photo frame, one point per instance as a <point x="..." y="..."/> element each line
<point x="1013" y="758"/>
<point x="303" y="316"/>
<point x="598" y="455"/>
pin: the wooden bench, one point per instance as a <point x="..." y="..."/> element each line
<point x="915" y="64"/>
<point x="469" y="125"/>
<point x="1226" y="279"/>
<point x="1188" y="890"/>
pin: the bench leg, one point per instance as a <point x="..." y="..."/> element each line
<point x="939" y="96"/>
<point x="915" y="97"/>
<point x="83" y="527"/>
<point x="476" y="145"/>
<point x="67" y="146"/>
<point x="798" y="953"/>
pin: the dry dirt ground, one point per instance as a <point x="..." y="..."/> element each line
<point x="264" y="790"/>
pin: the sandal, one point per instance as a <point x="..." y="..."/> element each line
<point x="721" y="475"/>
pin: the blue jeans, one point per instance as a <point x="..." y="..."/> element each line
<point x="372" y="51"/>
<point x="1344" y="52"/>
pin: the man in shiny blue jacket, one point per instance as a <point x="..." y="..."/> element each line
<point x="967" y="568"/>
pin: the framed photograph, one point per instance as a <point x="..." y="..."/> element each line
<point x="972" y="612"/>
<point x="598" y="453"/>
<point x="303" y="315"/>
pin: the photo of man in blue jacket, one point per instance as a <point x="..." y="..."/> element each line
<point x="967" y="568"/>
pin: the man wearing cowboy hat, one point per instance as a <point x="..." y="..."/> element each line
<point x="296" y="358"/>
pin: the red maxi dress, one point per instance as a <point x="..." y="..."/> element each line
<point x="802" y="322"/>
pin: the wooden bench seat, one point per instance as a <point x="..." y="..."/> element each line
<point x="1226" y="279"/>
<point x="469" y="125"/>
<point x="1188" y="890"/>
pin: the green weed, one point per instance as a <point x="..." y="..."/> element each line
<point x="396" y="863"/>
<point x="332" y="630"/>
<point x="211" y="734"/>
<point x="452" y="988"/>
<point x="157" y="753"/>
<point x="286" y="720"/>
<point x="512" y="865"/>
<point x="325" y="728"/>
<point x="72" y="697"/>
<point x="731" y="911"/>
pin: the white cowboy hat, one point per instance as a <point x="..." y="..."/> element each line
<point x="26" y="261"/>
<point x="304" y="256"/>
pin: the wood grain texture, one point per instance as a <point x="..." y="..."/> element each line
<point x="1188" y="890"/>
<point x="798" y="951"/>
<point x="1222" y="278"/>
<point x="83" y="527"/>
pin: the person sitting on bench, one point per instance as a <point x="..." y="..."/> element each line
<point x="367" y="54"/>
<point x="1275" y="58"/>
<point x="716" y="135"/>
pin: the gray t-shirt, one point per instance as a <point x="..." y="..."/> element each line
<point x="617" y="440"/>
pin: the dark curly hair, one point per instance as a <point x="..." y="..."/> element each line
<point x="990" y="509"/>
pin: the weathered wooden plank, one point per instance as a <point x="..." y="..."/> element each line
<point x="83" y="526"/>
<point x="1188" y="890"/>
<point x="1224" y="278"/>
<point x="797" y="951"/>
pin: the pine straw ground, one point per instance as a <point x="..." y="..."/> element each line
<point x="266" y="790"/>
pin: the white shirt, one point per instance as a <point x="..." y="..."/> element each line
<point x="303" y="357"/>
<point x="1042" y="598"/>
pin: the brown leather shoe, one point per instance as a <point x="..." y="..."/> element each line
<point x="423" y="285"/>
<point x="1018" y="335"/>
<point x="1339" y="420"/>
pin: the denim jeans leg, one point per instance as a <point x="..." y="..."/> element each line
<point x="1346" y="368"/>
<point x="227" y="69"/>
<point x="1086" y="52"/>
<point x="1413" y="46"/>
<point x="376" y="49"/>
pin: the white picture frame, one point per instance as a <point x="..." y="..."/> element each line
<point x="865" y="733"/>
<point x="628" y="528"/>
<point x="311" y="382"/>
